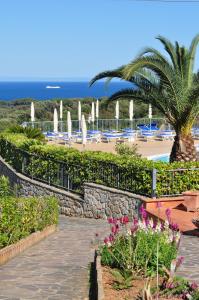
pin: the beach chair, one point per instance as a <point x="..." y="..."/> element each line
<point x="147" y="135"/>
<point x="165" y="135"/>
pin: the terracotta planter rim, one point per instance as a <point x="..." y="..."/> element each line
<point x="194" y="193"/>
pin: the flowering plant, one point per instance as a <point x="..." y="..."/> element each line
<point x="133" y="245"/>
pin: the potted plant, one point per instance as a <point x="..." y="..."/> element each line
<point x="191" y="200"/>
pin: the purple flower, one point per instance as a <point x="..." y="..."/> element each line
<point x="194" y="286"/>
<point x="162" y="226"/>
<point x="143" y="212"/>
<point x="168" y="213"/>
<point x="146" y="222"/>
<point x="135" y="221"/>
<point x="174" y="226"/>
<point x="154" y="224"/>
<point x="179" y="261"/>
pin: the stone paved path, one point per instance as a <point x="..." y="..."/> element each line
<point x="56" y="268"/>
<point x="189" y="248"/>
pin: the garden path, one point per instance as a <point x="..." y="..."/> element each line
<point x="55" y="269"/>
<point x="189" y="248"/>
<point x="58" y="267"/>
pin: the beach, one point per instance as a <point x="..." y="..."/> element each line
<point x="146" y="149"/>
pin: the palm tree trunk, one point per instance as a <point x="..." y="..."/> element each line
<point x="183" y="148"/>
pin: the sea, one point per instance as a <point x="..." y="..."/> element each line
<point x="40" y="91"/>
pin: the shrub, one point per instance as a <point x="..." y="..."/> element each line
<point x="5" y="189"/>
<point x="126" y="150"/>
<point x="135" y="174"/>
<point x="136" y="247"/>
<point x="23" y="216"/>
<point x="29" y="132"/>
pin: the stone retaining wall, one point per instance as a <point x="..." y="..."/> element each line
<point x="98" y="201"/>
<point x="102" y="201"/>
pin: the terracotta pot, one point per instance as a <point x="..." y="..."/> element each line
<point x="191" y="200"/>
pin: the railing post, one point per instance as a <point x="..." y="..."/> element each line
<point x="154" y="182"/>
<point x="62" y="175"/>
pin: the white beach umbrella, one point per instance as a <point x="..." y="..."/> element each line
<point x="131" y="110"/>
<point x="150" y="111"/>
<point x="97" y="109"/>
<point x="117" y="110"/>
<point x="84" y="130"/>
<point x="55" y="120"/>
<point x="61" y="110"/>
<point x="69" y="123"/>
<point x="79" y="111"/>
<point x="32" y="112"/>
<point x="93" y="112"/>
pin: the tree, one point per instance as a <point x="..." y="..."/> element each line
<point x="168" y="83"/>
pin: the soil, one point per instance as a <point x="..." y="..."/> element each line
<point x="126" y="294"/>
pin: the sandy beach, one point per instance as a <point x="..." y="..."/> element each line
<point x="144" y="148"/>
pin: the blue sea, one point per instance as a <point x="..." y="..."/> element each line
<point x="38" y="90"/>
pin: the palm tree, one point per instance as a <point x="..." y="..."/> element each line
<point x="169" y="83"/>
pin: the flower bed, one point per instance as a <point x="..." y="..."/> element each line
<point x="139" y="260"/>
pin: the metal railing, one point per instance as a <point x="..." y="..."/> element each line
<point x="100" y="124"/>
<point x="72" y="176"/>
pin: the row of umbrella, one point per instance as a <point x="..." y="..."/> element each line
<point x="95" y="111"/>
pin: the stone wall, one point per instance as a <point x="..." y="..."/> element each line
<point x="70" y="204"/>
<point x="102" y="201"/>
<point x="98" y="201"/>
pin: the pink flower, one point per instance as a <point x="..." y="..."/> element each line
<point x="106" y="240"/>
<point x="174" y="226"/>
<point x="154" y="224"/>
<point x="110" y="220"/>
<point x="111" y="238"/>
<point x="179" y="261"/>
<point x="194" y="286"/>
<point x="168" y="213"/>
<point x="135" y="221"/>
<point x="134" y="228"/>
<point x="146" y="222"/>
<point x="143" y="212"/>
<point x="114" y="230"/>
<point x="125" y="219"/>
<point x="114" y="220"/>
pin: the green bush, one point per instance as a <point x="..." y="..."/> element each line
<point x="23" y="216"/>
<point x="5" y="189"/>
<point x="99" y="167"/>
<point x="126" y="150"/>
<point x="29" y="132"/>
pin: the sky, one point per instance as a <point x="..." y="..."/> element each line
<point x="76" y="39"/>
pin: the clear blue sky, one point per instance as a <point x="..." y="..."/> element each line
<point x="75" y="39"/>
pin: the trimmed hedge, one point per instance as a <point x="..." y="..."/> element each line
<point x="22" y="216"/>
<point x="104" y="168"/>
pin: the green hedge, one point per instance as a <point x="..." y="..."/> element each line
<point x="100" y="167"/>
<point x="23" y="216"/>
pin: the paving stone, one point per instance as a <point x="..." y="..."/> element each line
<point x="57" y="268"/>
<point x="189" y="248"/>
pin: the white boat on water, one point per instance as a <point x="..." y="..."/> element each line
<point x="53" y="87"/>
